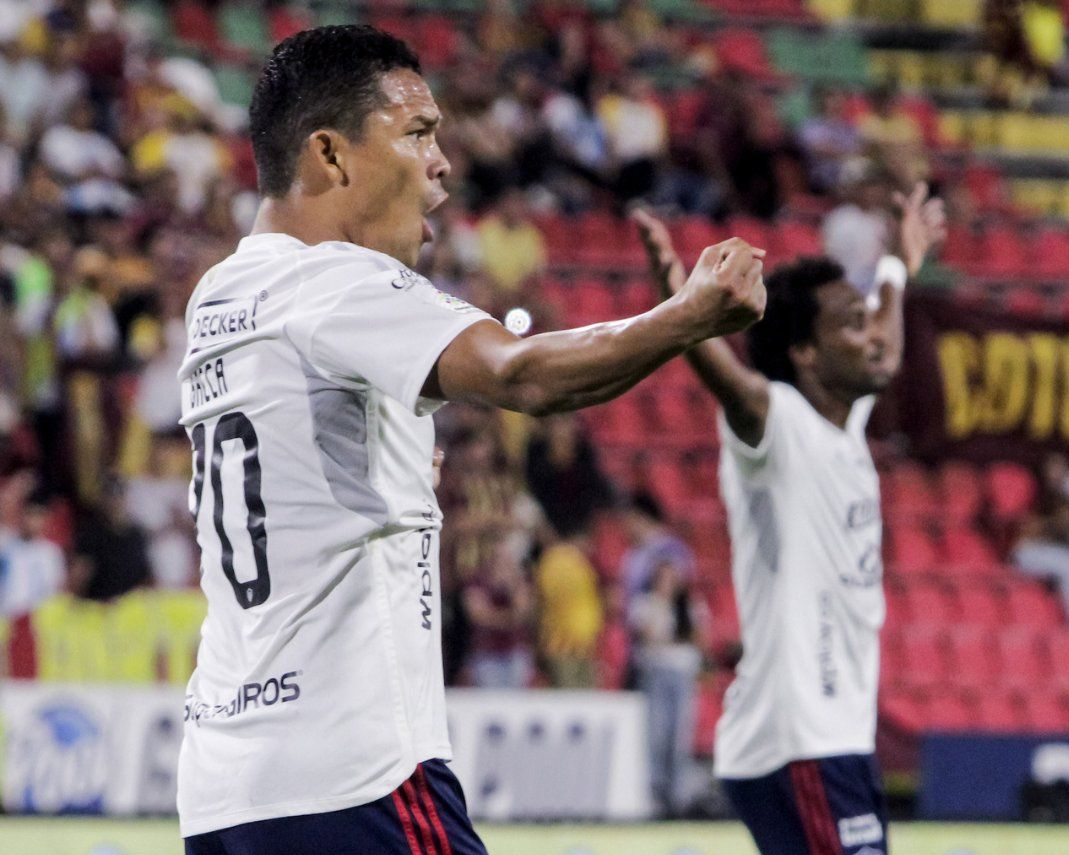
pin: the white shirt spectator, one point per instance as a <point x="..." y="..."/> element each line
<point x="857" y="239"/>
<point x="76" y="154"/>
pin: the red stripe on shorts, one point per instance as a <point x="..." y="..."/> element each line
<point x="406" y="822"/>
<point x="421" y="820"/>
<point x="812" y="802"/>
<point x="432" y="811"/>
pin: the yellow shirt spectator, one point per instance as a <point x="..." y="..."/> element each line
<point x="571" y="614"/>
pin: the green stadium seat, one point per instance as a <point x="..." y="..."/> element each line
<point x="155" y="15"/>
<point x="335" y="12"/>
<point x="245" y="27"/>
<point x="235" y="84"/>
<point x="819" y="57"/>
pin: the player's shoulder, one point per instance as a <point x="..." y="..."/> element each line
<point x="348" y="261"/>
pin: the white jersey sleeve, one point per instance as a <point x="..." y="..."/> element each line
<point x="385" y="329"/>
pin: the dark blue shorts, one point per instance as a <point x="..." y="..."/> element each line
<point x="426" y="815"/>
<point x="831" y="806"/>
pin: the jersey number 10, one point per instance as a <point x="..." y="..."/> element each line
<point x="235" y="426"/>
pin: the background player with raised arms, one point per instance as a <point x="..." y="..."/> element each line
<point x="315" y="720"/>
<point x="795" y="745"/>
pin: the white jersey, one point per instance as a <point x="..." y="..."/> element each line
<point x="804" y="515"/>
<point x="319" y="679"/>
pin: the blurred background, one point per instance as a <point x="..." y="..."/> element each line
<point x="125" y="172"/>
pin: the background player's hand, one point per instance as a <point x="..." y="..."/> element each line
<point x="665" y="264"/>
<point x="726" y="288"/>
<point x="436" y="465"/>
<point x="922" y="224"/>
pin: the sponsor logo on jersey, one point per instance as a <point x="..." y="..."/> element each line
<point x="426" y="580"/>
<point x="863" y="513"/>
<point x="452" y="303"/>
<point x="217" y="321"/>
<point x="405" y="279"/>
<point x="859" y="830"/>
<point x="248" y="696"/>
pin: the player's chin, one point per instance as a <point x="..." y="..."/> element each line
<point x="878" y="381"/>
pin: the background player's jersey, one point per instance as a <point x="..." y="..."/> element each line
<point x="318" y="683"/>
<point x="804" y="514"/>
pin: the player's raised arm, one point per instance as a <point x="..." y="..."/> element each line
<point x="922" y="224"/>
<point x="742" y="392"/>
<point x="559" y="371"/>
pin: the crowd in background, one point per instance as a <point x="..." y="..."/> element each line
<point x="124" y="176"/>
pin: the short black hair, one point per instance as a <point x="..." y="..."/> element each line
<point x="327" y="77"/>
<point x="790" y="314"/>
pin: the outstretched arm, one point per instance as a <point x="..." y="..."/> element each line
<point x="559" y="371"/>
<point x="742" y="392"/>
<point x="922" y="224"/>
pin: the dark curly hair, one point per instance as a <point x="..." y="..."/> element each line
<point x="327" y="77"/>
<point x="789" y="314"/>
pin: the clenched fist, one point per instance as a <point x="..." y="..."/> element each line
<point x="725" y="290"/>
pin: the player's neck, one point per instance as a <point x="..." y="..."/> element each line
<point x="833" y="407"/>
<point x="290" y="217"/>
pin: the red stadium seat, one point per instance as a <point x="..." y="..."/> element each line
<point x="1011" y="491"/>
<point x="691" y="235"/>
<point x="959" y="248"/>
<point x="1004" y="252"/>
<point x="559" y="235"/>
<point x="924" y="655"/>
<point x="1024" y="658"/>
<point x="1050" y="253"/>
<point x="909" y="495"/>
<point x="962" y="546"/>
<point x="1047" y="710"/>
<point x="754" y="232"/>
<point x="904" y="707"/>
<point x="1002" y="710"/>
<point x="972" y="652"/>
<point x="743" y="50"/>
<point x="929" y="602"/>
<point x="960" y="490"/>
<point x="195" y="23"/>
<point x="1025" y="300"/>
<point x="912" y="549"/>
<point x="982" y="605"/>
<point x="797" y="239"/>
<point x="1032" y="604"/>
<point x="1057" y="646"/>
<point x="950" y="709"/>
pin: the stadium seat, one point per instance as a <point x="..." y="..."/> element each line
<point x="1002" y="709"/>
<point x="194" y="23"/>
<point x="912" y="549"/>
<point x="285" y="21"/>
<point x="691" y="235"/>
<point x="1047" y="710"/>
<point x="982" y="604"/>
<point x="797" y="238"/>
<point x="924" y="655"/>
<point x="743" y="51"/>
<point x="1056" y="643"/>
<point x="1025" y="300"/>
<point x="966" y="547"/>
<point x="950" y="709"/>
<point x="559" y="234"/>
<point x="244" y="27"/>
<point x="1023" y="658"/>
<point x="1005" y="252"/>
<point x="1031" y="604"/>
<point x="929" y="602"/>
<point x="904" y="707"/>
<point x="960" y="491"/>
<point x="972" y="652"/>
<point x="1011" y="491"/>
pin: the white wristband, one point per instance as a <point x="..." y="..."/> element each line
<point x="892" y="269"/>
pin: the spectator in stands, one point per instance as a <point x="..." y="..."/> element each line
<point x="638" y="135"/>
<point x="110" y="549"/>
<point x="1042" y="548"/>
<point x="670" y="629"/>
<point x="857" y="232"/>
<point x="510" y="244"/>
<point x="563" y="474"/>
<point x="158" y="502"/>
<point x="580" y="145"/>
<point x="828" y="139"/>
<point x="32" y="568"/>
<point x="570" y="613"/>
<point x="652" y="545"/>
<point x="498" y="602"/>
<point x="76" y="152"/>
<point x="894" y="139"/>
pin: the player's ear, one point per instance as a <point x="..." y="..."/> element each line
<point x="328" y="151"/>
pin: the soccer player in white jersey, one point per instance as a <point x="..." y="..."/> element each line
<point x="795" y="746"/>
<point x="315" y="720"/>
